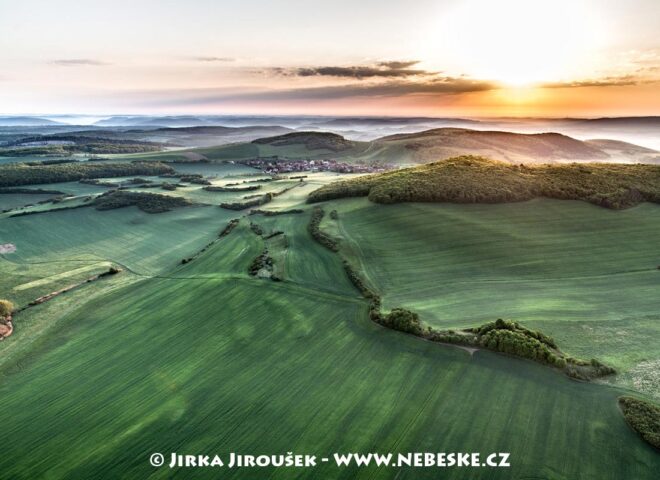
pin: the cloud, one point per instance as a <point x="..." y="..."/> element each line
<point x="393" y="88"/>
<point x="612" y="81"/>
<point x="76" y="62"/>
<point x="214" y="59"/>
<point x="386" y="69"/>
<point x="438" y="85"/>
<point x="396" y="64"/>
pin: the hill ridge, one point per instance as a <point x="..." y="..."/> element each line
<point x="472" y="179"/>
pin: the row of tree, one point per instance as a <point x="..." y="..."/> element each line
<point x="16" y="174"/>
<point x="314" y="228"/>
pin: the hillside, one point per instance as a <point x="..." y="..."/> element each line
<point x="470" y="179"/>
<point x="9" y="121"/>
<point x="402" y="149"/>
<point x="617" y="149"/>
<point x="311" y="141"/>
<point x="207" y="136"/>
<point x="441" y="143"/>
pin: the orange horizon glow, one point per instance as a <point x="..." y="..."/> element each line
<point x="547" y="58"/>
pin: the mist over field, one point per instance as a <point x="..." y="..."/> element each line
<point x="643" y="131"/>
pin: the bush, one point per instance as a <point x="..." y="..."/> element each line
<point x="6" y="308"/>
<point x="315" y="231"/>
<point x="273" y="213"/>
<point x="643" y="417"/>
<point x="262" y="261"/>
<point x="147" y="202"/>
<point x="258" y="201"/>
<point x="248" y="188"/>
<point x="402" y="320"/>
<point x="230" y="226"/>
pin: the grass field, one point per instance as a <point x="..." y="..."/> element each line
<point x="205" y="359"/>
<point x="147" y="244"/>
<point x="583" y="274"/>
<point x="14" y="200"/>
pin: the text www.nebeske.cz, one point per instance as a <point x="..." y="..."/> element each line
<point x="399" y="460"/>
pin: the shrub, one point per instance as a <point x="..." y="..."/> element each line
<point x="315" y="231"/>
<point x="262" y="261"/>
<point x="255" y="202"/>
<point x="147" y="202"/>
<point x="643" y="417"/>
<point x="249" y="188"/>
<point x="273" y="213"/>
<point x="6" y="308"/>
<point x="256" y="228"/>
<point x="230" y="226"/>
<point x="402" y="320"/>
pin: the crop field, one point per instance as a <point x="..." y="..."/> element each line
<point x="219" y="170"/>
<point x="233" y="363"/>
<point x="146" y="244"/>
<point x="71" y="188"/>
<point x="583" y="274"/>
<point x="14" y="200"/>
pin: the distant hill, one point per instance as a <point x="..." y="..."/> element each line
<point x="208" y="136"/>
<point x="26" y="121"/>
<point x="470" y="179"/>
<point x="430" y="145"/>
<point x="401" y="149"/>
<point x="167" y="121"/>
<point x="311" y="141"/>
<point x="650" y="121"/>
<point x="618" y="149"/>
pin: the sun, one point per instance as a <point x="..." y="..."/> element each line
<point x="517" y="42"/>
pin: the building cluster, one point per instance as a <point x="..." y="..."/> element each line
<point x="275" y="166"/>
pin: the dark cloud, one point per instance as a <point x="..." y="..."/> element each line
<point x="440" y="85"/>
<point x="394" y="88"/>
<point x="76" y="62"/>
<point x="398" y="64"/>
<point x="390" y="69"/>
<point x="214" y="59"/>
<point x="358" y="72"/>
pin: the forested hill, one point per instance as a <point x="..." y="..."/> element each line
<point x="470" y="179"/>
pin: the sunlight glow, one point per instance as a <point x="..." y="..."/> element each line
<point x="519" y="42"/>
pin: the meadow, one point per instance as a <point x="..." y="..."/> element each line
<point x="187" y="360"/>
<point x="585" y="275"/>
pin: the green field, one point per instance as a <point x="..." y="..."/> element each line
<point x="204" y="358"/>
<point x="14" y="200"/>
<point x="586" y="275"/>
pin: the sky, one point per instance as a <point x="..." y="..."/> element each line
<point x="546" y="58"/>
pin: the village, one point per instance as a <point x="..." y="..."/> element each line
<point x="277" y="165"/>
